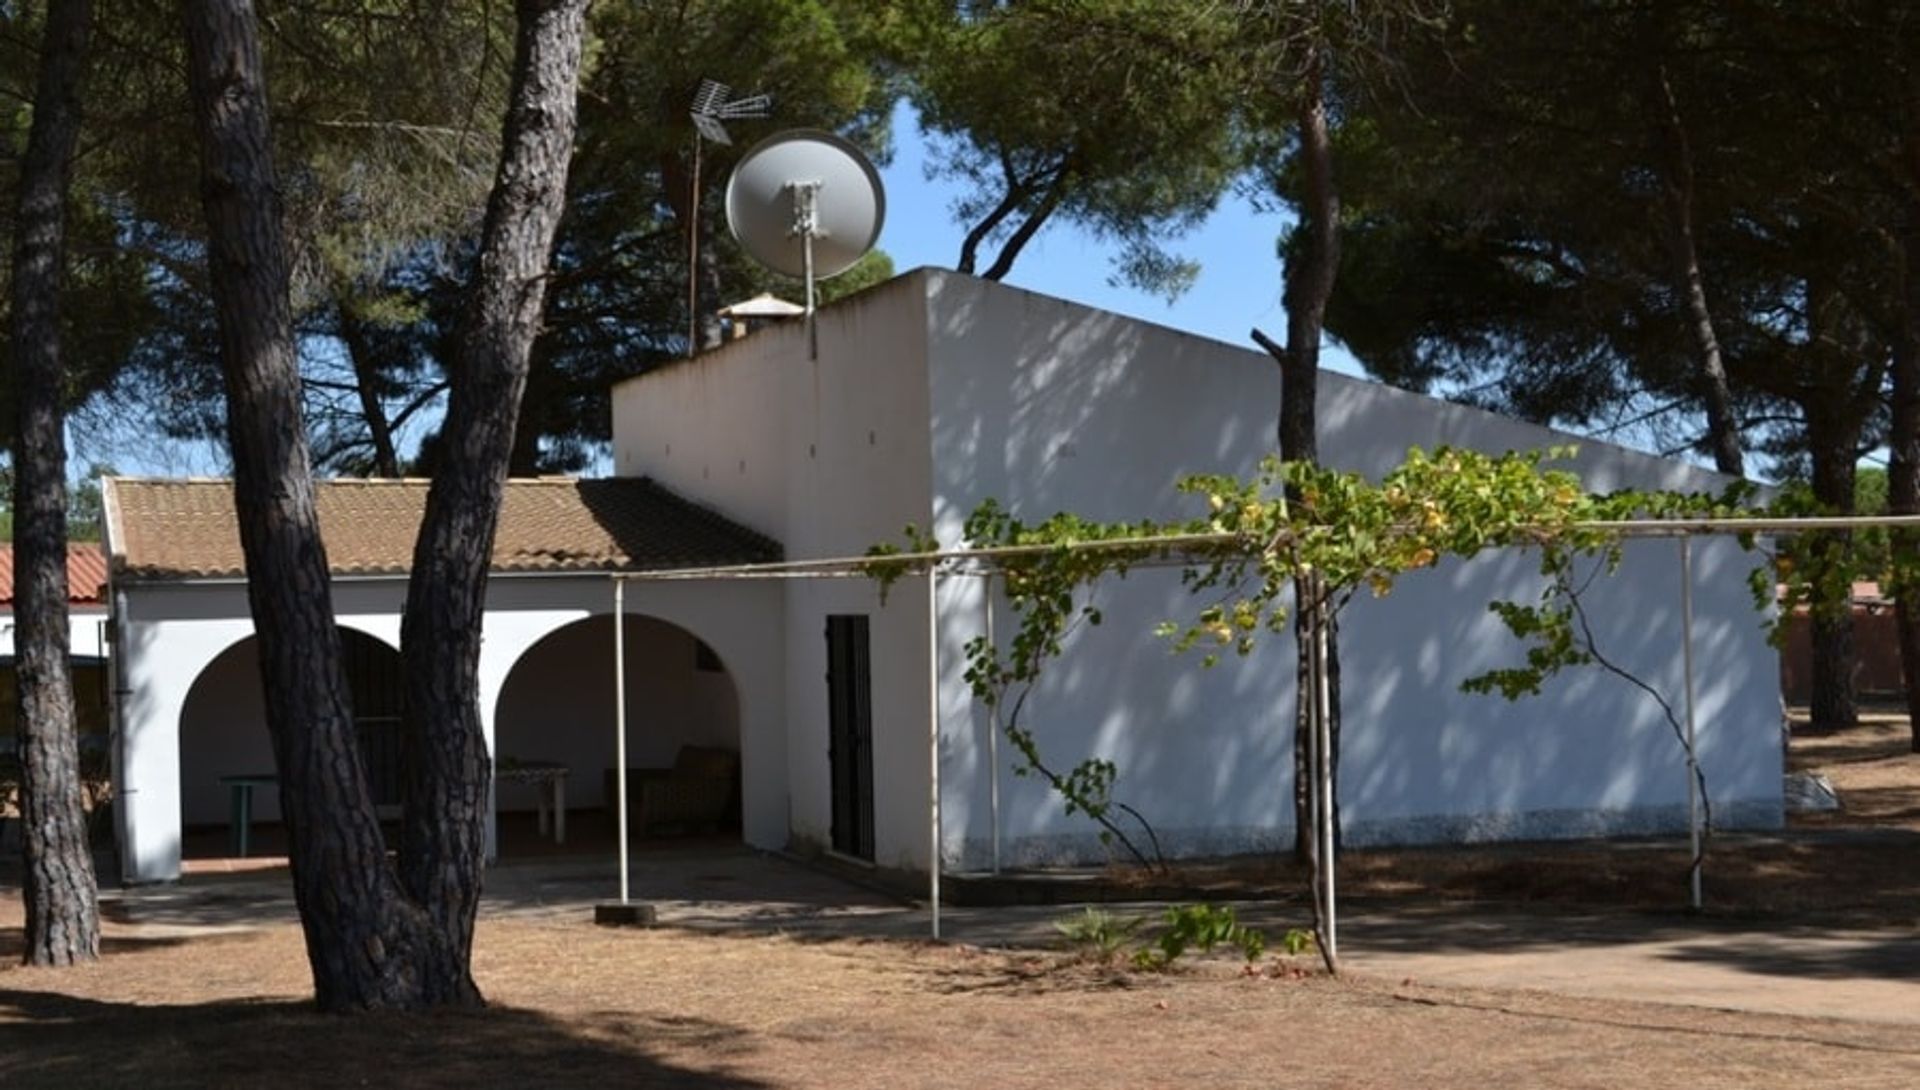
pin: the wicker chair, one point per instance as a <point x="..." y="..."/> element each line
<point x="700" y="791"/>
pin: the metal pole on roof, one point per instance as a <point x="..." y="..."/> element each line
<point x="620" y="721"/>
<point x="933" y="747"/>
<point x="1693" y="760"/>
<point x="693" y="253"/>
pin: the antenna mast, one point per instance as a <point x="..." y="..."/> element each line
<point x="710" y="107"/>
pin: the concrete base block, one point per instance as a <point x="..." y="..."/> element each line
<point x="631" y="914"/>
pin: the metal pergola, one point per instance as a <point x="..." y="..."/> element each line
<point x="1178" y="550"/>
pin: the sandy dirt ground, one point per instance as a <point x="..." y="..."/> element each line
<point x="573" y="1004"/>
<point x="1512" y="967"/>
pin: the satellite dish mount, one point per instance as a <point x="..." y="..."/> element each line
<point x="806" y="227"/>
<point x="806" y="204"/>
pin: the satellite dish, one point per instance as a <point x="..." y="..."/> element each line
<point x="807" y="204"/>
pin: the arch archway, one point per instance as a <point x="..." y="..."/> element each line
<point x="223" y="732"/>
<point x="557" y="706"/>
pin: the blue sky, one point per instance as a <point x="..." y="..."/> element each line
<point x="1238" y="288"/>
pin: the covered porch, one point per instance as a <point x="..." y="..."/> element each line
<point x="703" y="669"/>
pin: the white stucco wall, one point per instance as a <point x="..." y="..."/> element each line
<point x="935" y="391"/>
<point x="1048" y="406"/>
<point x="172" y="632"/>
<point x="826" y="456"/>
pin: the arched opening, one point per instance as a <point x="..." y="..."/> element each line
<point x="224" y="743"/>
<point x="556" y="708"/>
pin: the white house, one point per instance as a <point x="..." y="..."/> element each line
<point x="929" y="394"/>
<point x="935" y="391"/>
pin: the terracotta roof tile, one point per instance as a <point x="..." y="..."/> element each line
<point x="183" y="529"/>
<point x="86" y="573"/>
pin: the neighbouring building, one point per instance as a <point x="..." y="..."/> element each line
<point x="87" y="646"/>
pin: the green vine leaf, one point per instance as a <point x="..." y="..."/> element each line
<point x="1293" y="529"/>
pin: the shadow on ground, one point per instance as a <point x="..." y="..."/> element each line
<point x="735" y="891"/>
<point x="54" y="1040"/>
<point x="1887" y="957"/>
<point x="13" y="943"/>
<point x="721" y="889"/>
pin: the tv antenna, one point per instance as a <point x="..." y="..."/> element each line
<point x="807" y="204"/>
<point x="710" y="107"/>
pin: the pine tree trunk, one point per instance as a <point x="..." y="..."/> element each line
<point x="1834" y="706"/>
<point x="367" y="945"/>
<point x="1903" y="443"/>
<point x="366" y="381"/>
<point x="1716" y="395"/>
<point x="1833" y="437"/>
<point x="448" y="768"/>
<point x="1310" y="272"/>
<point x="58" y="882"/>
<point x="1017" y="193"/>
<point x="1023" y="234"/>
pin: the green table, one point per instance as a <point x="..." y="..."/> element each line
<point x="240" y="807"/>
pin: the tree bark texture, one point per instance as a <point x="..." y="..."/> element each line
<point x="1310" y="275"/>
<point x="367" y="945"/>
<point x="58" y="883"/>
<point x="1834" y="439"/>
<point x="1017" y="193"/>
<point x="1023" y="234"/>
<point x="1310" y="272"/>
<point x="1903" y="435"/>
<point x="366" y="381"/>
<point x="448" y="767"/>
<point x="1716" y="394"/>
<point x="524" y="461"/>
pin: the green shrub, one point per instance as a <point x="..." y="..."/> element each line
<point x="1098" y="935"/>
<point x="1199" y="927"/>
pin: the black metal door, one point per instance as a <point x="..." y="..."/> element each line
<point x="373" y="677"/>
<point x="850" y="733"/>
